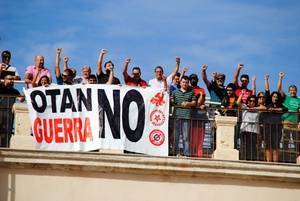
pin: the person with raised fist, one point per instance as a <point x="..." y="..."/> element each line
<point x="104" y="78"/>
<point x="135" y="79"/>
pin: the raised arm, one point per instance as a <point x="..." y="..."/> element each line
<point x="57" y="62"/>
<point x="125" y="68"/>
<point x="267" y="83"/>
<point x="66" y="63"/>
<point x="176" y="69"/>
<point x="185" y="69"/>
<point x="204" y="75"/>
<point x="100" y="61"/>
<point x="254" y="85"/>
<point x="236" y="74"/>
<point x="279" y="83"/>
<point x="111" y="76"/>
<point x="164" y="79"/>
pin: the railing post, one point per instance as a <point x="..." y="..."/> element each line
<point x="22" y="138"/>
<point x="225" y="138"/>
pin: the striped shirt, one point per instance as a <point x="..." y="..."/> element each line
<point x="179" y="96"/>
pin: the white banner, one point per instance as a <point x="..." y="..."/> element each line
<point x="90" y="117"/>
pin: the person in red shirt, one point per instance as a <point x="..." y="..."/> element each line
<point x="242" y="89"/>
<point x="198" y="118"/>
<point x="135" y="79"/>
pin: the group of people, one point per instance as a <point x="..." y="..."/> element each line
<point x="187" y="100"/>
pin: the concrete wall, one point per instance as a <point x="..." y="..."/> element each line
<point x="42" y="176"/>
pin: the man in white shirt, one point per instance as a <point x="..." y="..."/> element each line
<point x="159" y="80"/>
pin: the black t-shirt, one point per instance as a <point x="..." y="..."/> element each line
<point x="7" y="102"/>
<point x="103" y="78"/>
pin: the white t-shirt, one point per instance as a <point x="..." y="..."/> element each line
<point x="159" y="84"/>
<point x="13" y="69"/>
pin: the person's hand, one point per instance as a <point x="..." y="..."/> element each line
<point x="2" y="66"/>
<point x="281" y="75"/>
<point x="267" y="76"/>
<point x="202" y="107"/>
<point x="204" y="67"/>
<point x="240" y="66"/>
<point x="184" y="104"/>
<point x="214" y="75"/>
<point x="177" y="59"/>
<point x="66" y="59"/>
<point x="127" y="60"/>
<point x="185" y="69"/>
<point x="58" y="50"/>
<point x="103" y="51"/>
<point x="253" y="78"/>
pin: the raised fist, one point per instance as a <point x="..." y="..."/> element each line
<point x="240" y="66"/>
<point x="66" y="59"/>
<point x="204" y="67"/>
<point x="103" y="51"/>
<point x="127" y="60"/>
<point x="177" y="59"/>
<point x="281" y="74"/>
<point x="185" y="69"/>
<point x="267" y="76"/>
<point x="58" y="50"/>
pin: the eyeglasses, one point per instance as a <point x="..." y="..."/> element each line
<point x="64" y="75"/>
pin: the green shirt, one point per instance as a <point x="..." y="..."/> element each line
<point x="179" y="96"/>
<point x="293" y="105"/>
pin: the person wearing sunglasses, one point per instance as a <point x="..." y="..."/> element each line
<point x="243" y="87"/>
<point x="249" y="129"/>
<point x="66" y="78"/>
<point x="135" y="78"/>
<point x="215" y="87"/>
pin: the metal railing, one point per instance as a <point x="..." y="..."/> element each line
<point x="193" y="137"/>
<point x="266" y="137"/>
<point x="7" y="118"/>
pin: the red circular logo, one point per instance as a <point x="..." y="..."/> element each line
<point x="157" y="117"/>
<point x="157" y="137"/>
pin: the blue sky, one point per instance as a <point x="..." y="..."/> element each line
<point x="264" y="35"/>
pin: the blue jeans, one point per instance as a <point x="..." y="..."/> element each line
<point x="182" y="137"/>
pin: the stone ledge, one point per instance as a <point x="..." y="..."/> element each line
<point x="140" y="164"/>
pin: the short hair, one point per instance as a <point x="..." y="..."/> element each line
<point x="194" y="76"/>
<point x="245" y="76"/>
<point x="93" y="76"/>
<point x="221" y="75"/>
<point x="136" y="68"/>
<point x="69" y="71"/>
<point x="158" y="67"/>
<point x="185" y="78"/>
<point x="293" y="86"/>
<point x="86" y="67"/>
<point x="5" y="52"/>
<point x="177" y="74"/>
<point x="231" y="85"/>
<point x="108" y="63"/>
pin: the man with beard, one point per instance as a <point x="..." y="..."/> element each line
<point x="215" y="87"/>
<point x="135" y="79"/>
<point x="104" y="78"/>
<point x="242" y="89"/>
<point x="67" y="77"/>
